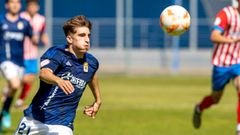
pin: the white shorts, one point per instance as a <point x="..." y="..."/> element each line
<point x="29" y="126"/>
<point x="11" y="70"/>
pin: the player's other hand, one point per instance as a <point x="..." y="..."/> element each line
<point x="35" y="40"/>
<point x="91" y="110"/>
<point x="66" y="86"/>
<point x="237" y="40"/>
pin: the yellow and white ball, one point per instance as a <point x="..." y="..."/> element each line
<point x="175" y="20"/>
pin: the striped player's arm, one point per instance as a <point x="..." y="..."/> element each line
<point x="217" y="37"/>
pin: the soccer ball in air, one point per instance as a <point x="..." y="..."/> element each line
<point x="175" y="20"/>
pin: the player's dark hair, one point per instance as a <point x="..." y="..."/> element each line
<point x="34" y="1"/>
<point x="78" y="21"/>
<point x="6" y="1"/>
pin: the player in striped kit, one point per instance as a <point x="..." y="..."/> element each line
<point x="38" y="24"/>
<point x="225" y="59"/>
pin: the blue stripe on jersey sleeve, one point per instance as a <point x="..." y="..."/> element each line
<point x="218" y="28"/>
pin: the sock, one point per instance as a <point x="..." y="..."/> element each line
<point x="206" y="103"/>
<point x="6" y="105"/>
<point x="25" y="91"/>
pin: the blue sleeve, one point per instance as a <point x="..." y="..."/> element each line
<point x="50" y="59"/>
<point x="95" y="63"/>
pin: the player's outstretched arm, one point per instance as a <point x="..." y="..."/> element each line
<point x="93" y="109"/>
<point x="47" y="76"/>
<point x="217" y="37"/>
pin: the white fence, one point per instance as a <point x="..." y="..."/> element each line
<point x="152" y="52"/>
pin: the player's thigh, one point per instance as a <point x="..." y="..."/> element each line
<point x="236" y="75"/>
<point x="59" y="130"/>
<point x="12" y="72"/>
<point x="220" y="77"/>
<point x="30" y="126"/>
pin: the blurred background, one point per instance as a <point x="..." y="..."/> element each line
<point x="127" y="37"/>
<point x="150" y="82"/>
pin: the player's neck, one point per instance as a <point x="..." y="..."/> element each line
<point x="31" y="14"/>
<point x="79" y="55"/>
<point x="12" y="17"/>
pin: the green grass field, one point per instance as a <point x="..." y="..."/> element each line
<point x="156" y="105"/>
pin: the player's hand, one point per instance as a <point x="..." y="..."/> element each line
<point x="35" y="40"/>
<point x="237" y="40"/>
<point x="66" y="86"/>
<point x="92" y="110"/>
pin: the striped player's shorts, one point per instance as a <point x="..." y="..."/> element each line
<point x="222" y="75"/>
<point x="29" y="126"/>
<point x="31" y="66"/>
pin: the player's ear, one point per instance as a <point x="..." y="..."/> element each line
<point x="69" y="39"/>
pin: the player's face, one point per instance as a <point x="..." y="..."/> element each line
<point x="32" y="8"/>
<point x="81" y="39"/>
<point x="13" y="6"/>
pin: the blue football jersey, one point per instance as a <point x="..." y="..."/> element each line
<point x="11" y="39"/>
<point x="51" y="105"/>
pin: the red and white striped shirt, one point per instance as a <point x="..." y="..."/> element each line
<point x="38" y="24"/>
<point x="227" y="21"/>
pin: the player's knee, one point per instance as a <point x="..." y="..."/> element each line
<point x="29" y="78"/>
<point x="237" y="83"/>
<point x="216" y="99"/>
<point x="15" y="84"/>
<point x="237" y="87"/>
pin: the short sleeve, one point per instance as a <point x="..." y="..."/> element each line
<point x="94" y="62"/>
<point x="221" y="21"/>
<point x="51" y="59"/>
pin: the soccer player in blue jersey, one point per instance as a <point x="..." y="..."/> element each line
<point x="13" y="29"/>
<point x="65" y="71"/>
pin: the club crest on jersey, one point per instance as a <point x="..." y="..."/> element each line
<point x="85" y="67"/>
<point x="217" y="21"/>
<point x="20" y="25"/>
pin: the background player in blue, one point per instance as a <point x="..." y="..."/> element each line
<point x="65" y="72"/>
<point x="13" y="29"/>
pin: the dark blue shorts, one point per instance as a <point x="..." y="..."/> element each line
<point x="222" y="75"/>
